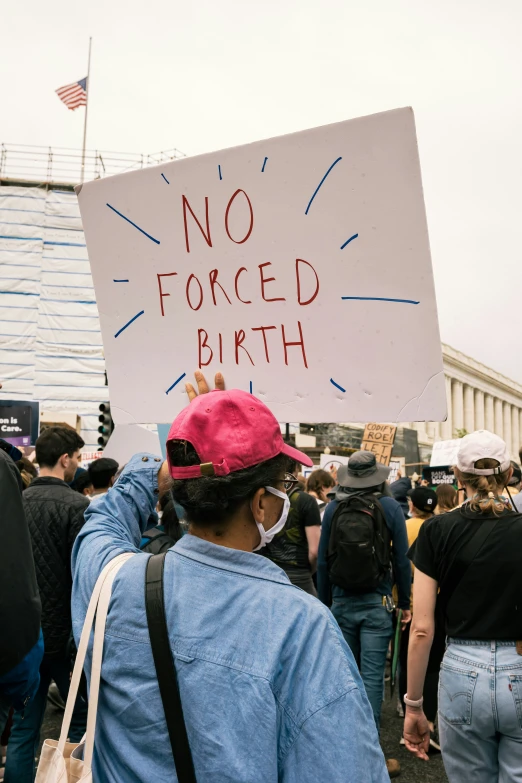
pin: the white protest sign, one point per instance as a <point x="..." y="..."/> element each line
<point x="444" y="452"/>
<point x="282" y="264"/>
<point x="88" y="457"/>
<point x="130" y="439"/>
<point x="397" y="465"/>
<point x="331" y="463"/>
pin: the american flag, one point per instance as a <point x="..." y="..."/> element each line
<point x="74" y="95"/>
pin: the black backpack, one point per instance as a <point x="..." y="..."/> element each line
<point x="156" y="541"/>
<point x="359" y="549"/>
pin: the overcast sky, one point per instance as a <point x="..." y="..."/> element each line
<point x="205" y="75"/>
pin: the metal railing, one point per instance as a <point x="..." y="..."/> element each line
<point x="59" y="165"/>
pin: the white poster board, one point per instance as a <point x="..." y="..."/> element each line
<point x="88" y="457"/>
<point x="444" y="453"/>
<point x="397" y="465"/>
<point x="332" y="463"/>
<point x="282" y="264"/>
<point x="130" y="439"/>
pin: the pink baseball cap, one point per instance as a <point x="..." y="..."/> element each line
<point x="230" y="430"/>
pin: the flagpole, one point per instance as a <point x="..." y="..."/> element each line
<point x="87" y="86"/>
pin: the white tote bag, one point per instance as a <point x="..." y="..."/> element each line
<point x="66" y="762"/>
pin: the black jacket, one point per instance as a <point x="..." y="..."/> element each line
<point x="399" y="490"/>
<point x="19" y="600"/>
<point x="55" y="515"/>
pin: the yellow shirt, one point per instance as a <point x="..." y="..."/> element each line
<point x="413" y="525"/>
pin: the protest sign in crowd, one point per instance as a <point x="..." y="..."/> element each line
<point x="213" y="614"/>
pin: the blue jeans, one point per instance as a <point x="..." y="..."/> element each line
<point x="25" y="734"/>
<point x="480" y="712"/>
<point x="367" y="627"/>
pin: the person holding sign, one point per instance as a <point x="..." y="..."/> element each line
<point x="268" y="686"/>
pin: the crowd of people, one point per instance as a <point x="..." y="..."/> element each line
<point x="282" y="597"/>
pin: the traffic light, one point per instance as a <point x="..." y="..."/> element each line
<point x="106" y="425"/>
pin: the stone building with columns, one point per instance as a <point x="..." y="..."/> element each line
<point x="478" y="398"/>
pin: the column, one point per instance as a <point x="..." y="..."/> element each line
<point x="507" y="425"/>
<point x="433" y="428"/>
<point x="447" y="426"/>
<point x="457" y="397"/>
<point x="479" y="410"/>
<point x="515" y="429"/>
<point x="490" y="413"/>
<point x="469" y="408"/>
<point x="422" y="435"/>
<point x="498" y="429"/>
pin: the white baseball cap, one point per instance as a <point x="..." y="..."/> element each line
<point x="482" y="445"/>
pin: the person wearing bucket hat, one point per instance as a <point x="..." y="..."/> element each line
<point x="373" y="523"/>
<point x="265" y="676"/>
<point x="467" y="561"/>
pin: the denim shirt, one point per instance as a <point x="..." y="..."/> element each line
<point x="270" y="689"/>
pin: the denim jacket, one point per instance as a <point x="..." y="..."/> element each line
<point x="270" y="690"/>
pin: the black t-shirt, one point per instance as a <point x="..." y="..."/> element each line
<point x="487" y="603"/>
<point x="290" y="547"/>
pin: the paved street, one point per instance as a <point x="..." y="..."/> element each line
<point x="412" y="770"/>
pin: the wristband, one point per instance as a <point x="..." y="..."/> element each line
<point x="413" y="702"/>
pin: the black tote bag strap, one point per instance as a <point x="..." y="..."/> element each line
<point x="165" y="669"/>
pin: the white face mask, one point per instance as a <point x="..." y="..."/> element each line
<point x="268" y="535"/>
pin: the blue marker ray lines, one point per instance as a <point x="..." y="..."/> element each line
<point x="316" y="191"/>
<point x="348" y="241"/>
<point x="129" y="323"/>
<point x="175" y="383"/>
<point x="264" y="164"/>
<point x="381" y="299"/>
<point x="219" y="171"/>
<point x="133" y="224"/>
<point x="165" y="178"/>
<point x="120" y="281"/>
<point x="18" y="293"/>
<point x="251" y="381"/>
<point x="337" y="385"/>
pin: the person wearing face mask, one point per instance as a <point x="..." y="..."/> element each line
<point x="269" y="688"/>
<point x="294" y="547"/>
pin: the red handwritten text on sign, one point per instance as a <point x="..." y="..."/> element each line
<point x="198" y="293"/>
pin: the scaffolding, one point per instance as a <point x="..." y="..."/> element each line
<point x="53" y="166"/>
